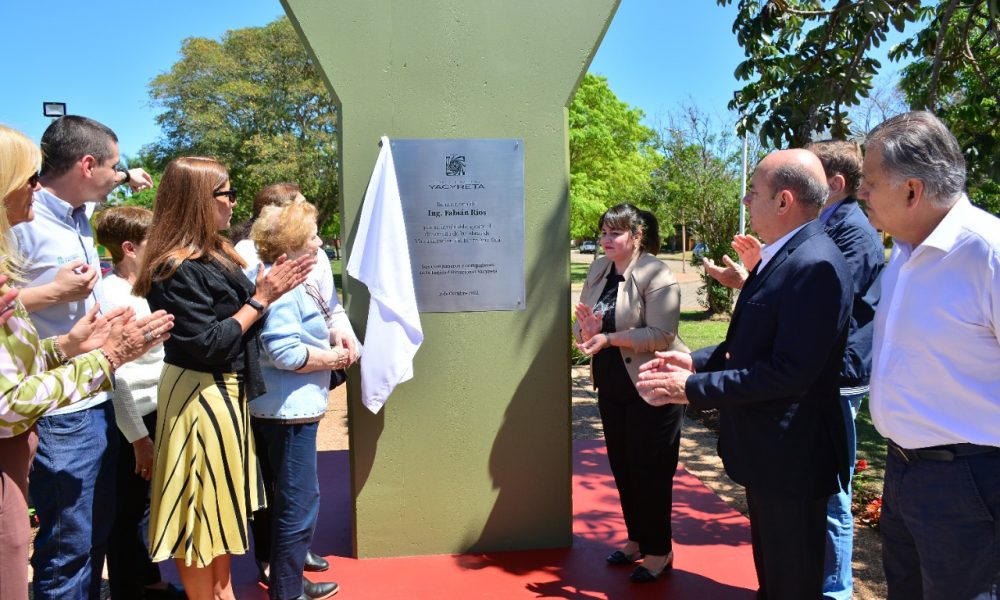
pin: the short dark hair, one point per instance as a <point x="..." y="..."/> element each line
<point x="70" y="138"/>
<point x="119" y="224"/>
<point x="840" y="156"/>
<point x="804" y="186"/>
<point x="641" y="223"/>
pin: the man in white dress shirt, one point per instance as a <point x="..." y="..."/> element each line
<point x="935" y="389"/>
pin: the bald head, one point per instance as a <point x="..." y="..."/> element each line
<point x="800" y="172"/>
<point x="792" y="187"/>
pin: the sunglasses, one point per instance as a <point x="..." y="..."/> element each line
<point x="230" y="194"/>
<point x="33" y="181"/>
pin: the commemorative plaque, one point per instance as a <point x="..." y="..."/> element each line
<point x="463" y="204"/>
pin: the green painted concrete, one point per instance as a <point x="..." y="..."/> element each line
<point x="472" y="454"/>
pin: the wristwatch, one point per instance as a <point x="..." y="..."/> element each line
<point x="257" y="306"/>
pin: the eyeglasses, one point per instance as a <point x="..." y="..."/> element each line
<point x="230" y="194"/>
<point x="33" y="181"/>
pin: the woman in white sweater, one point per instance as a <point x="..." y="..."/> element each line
<point x="131" y="574"/>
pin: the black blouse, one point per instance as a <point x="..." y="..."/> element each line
<point x="203" y="296"/>
<point x="610" y="357"/>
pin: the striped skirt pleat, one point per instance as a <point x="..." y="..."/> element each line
<point x="206" y="479"/>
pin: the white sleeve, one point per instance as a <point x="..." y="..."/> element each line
<point x="126" y="413"/>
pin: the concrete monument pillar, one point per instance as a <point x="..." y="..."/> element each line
<point x="474" y="453"/>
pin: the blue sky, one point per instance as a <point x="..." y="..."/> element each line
<point x="99" y="57"/>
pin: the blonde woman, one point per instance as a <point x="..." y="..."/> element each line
<point x="298" y="358"/>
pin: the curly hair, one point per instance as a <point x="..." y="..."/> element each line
<point x="282" y="229"/>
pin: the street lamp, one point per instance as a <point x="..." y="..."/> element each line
<point x="54" y="109"/>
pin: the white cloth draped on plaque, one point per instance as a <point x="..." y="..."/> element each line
<point x="380" y="259"/>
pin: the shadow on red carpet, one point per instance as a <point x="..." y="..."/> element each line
<point x="711" y="545"/>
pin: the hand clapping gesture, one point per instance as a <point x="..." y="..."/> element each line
<point x="663" y="379"/>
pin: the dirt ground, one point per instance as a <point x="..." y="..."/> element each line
<point x="697" y="455"/>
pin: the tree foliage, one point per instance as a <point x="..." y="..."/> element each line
<point x="256" y="102"/>
<point x="809" y="61"/>
<point x="956" y="74"/>
<point x="697" y="185"/>
<point x="611" y="154"/>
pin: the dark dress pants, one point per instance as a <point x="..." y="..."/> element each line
<point x="940" y="527"/>
<point x="643" y="442"/>
<point x="789" y="544"/>
<point x="129" y="567"/>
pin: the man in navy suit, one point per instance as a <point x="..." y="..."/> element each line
<point x="848" y="227"/>
<point x="775" y="378"/>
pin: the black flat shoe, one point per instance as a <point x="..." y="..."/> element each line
<point x="643" y="575"/>
<point x="318" y="591"/>
<point x="619" y="558"/>
<point x="315" y="563"/>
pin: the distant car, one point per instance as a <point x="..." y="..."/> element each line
<point x="106" y="267"/>
<point x="331" y="253"/>
<point x="700" y="250"/>
<point x="588" y="247"/>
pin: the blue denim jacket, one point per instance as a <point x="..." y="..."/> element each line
<point x="294" y="322"/>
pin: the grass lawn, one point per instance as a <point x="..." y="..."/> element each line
<point x="698" y="329"/>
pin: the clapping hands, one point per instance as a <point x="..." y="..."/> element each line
<point x="663" y="379"/>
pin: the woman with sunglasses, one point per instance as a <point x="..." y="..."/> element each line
<point x="37" y="376"/>
<point x="206" y="478"/>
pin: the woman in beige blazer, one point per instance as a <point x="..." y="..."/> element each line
<point x="629" y="308"/>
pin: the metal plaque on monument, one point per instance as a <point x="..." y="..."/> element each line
<point x="463" y="203"/>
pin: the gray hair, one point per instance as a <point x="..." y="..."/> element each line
<point x="917" y="145"/>
<point x="806" y="188"/>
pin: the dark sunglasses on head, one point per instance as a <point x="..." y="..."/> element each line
<point x="230" y="194"/>
<point x="33" y="181"/>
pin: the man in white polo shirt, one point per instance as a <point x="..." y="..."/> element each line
<point x="935" y="387"/>
<point x="72" y="479"/>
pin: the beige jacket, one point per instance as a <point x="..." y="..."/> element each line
<point x="647" y="310"/>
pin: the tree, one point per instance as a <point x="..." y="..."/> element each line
<point x="611" y="154"/>
<point x="809" y="61"/>
<point x="698" y="186"/>
<point x="956" y="74"/>
<point x="256" y="102"/>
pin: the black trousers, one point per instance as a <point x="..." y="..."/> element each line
<point x="129" y="567"/>
<point x="643" y="443"/>
<point x="789" y="543"/>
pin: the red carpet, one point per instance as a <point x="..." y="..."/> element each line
<point x="711" y="543"/>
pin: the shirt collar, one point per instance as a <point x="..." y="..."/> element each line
<point x="824" y="216"/>
<point x="768" y="251"/>
<point x="54" y="203"/>
<point x="947" y="231"/>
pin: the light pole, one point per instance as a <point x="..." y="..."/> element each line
<point x="743" y="191"/>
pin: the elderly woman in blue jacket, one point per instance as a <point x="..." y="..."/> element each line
<point x="296" y="365"/>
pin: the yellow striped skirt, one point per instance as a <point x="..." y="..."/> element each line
<point x="206" y="479"/>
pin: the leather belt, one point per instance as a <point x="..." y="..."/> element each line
<point x="945" y="453"/>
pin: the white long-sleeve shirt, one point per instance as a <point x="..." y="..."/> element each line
<point x="936" y="366"/>
<point x="136" y="381"/>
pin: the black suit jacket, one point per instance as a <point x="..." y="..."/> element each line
<point x="775" y="377"/>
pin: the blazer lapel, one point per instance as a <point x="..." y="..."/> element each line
<point x="757" y="277"/>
